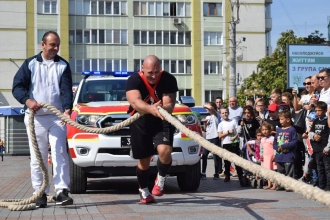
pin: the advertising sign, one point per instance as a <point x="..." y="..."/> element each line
<point x="305" y="60"/>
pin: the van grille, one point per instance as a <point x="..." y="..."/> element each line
<point x="114" y="119"/>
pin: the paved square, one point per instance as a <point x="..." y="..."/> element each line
<point x="117" y="198"/>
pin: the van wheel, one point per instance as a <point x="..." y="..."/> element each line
<point x="78" y="179"/>
<point x="190" y="180"/>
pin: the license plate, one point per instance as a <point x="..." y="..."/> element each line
<point x="126" y="142"/>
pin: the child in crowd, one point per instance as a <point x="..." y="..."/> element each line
<point x="263" y="113"/>
<point x="267" y="151"/>
<point x="249" y="123"/>
<point x="228" y="134"/>
<point x="287" y="100"/>
<point x="309" y="150"/>
<point x="211" y="123"/>
<point x="285" y="142"/>
<point x="253" y="155"/>
<point x="273" y="117"/>
<point x="319" y="139"/>
<point x="253" y="147"/>
<point x="276" y="96"/>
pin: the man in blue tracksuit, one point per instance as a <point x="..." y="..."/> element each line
<point x="46" y="77"/>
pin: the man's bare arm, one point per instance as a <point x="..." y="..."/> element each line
<point x="135" y="99"/>
<point x="169" y="100"/>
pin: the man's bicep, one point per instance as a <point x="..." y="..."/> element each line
<point x="169" y="99"/>
<point x="133" y="95"/>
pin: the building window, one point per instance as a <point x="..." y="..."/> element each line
<point x="212" y="67"/>
<point x="166" y="9"/>
<point x="212" y="9"/>
<point x="172" y="66"/>
<point x="47" y="7"/>
<point x="72" y="36"/>
<point x="116" y="36"/>
<point x="87" y="37"/>
<point x="211" y="95"/>
<point x="162" y="37"/>
<point x="87" y="65"/>
<point x="181" y="9"/>
<point x="78" y="65"/>
<point x="184" y="92"/>
<point x="151" y="37"/>
<point x="98" y="36"/>
<point x="143" y="37"/>
<point x="79" y="36"/>
<point x="188" y="66"/>
<point x="94" y="7"/>
<point x="172" y="8"/>
<point x="212" y="38"/>
<point x="123" y="37"/>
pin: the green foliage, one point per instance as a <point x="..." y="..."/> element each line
<point x="271" y="69"/>
<point x="315" y="38"/>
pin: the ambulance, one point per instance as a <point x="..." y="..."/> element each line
<point x="100" y="102"/>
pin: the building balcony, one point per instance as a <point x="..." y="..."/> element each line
<point x="268" y="24"/>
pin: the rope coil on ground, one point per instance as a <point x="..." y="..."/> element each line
<point x="304" y="189"/>
<point x="29" y="203"/>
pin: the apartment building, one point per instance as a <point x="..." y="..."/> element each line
<point x="191" y="38"/>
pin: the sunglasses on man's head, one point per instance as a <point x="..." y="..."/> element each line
<point x="308" y="83"/>
<point x="321" y="77"/>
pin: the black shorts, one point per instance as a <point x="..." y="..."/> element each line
<point x="147" y="133"/>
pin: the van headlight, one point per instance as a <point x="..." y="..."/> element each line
<point x="187" y="119"/>
<point x="88" y="120"/>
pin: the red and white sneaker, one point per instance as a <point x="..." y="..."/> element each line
<point x="158" y="189"/>
<point x="145" y="196"/>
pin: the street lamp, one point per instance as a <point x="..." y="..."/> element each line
<point x="254" y="92"/>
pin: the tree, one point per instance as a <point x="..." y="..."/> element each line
<point x="315" y="38"/>
<point x="272" y="71"/>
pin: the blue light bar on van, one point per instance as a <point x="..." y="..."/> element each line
<point x="103" y="73"/>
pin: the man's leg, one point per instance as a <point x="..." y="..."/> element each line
<point x="142" y="173"/>
<point x="204" y="163"/>
<point x="60" y="159"/>
<point x="216" y="159"/>
<point x="227" y="163"/>
<point x="42" y="140"/>
<point x="164" y="163"/>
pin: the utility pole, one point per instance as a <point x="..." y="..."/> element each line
<point x="232" y="48"/>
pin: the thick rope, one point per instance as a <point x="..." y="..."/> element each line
<point x="304" y="189"/>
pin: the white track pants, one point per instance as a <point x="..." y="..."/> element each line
<point x="49" y="130"/>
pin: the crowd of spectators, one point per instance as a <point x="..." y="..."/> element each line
<point x="288" y="133"/>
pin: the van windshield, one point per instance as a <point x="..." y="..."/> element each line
<point x="102" y="91"/>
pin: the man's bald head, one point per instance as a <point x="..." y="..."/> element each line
<point x="233" y="102"/>
<point x="151" y="60"/>
<point x="151" y="68"/>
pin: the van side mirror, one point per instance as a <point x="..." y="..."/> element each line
<point x="187" y="100"/>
